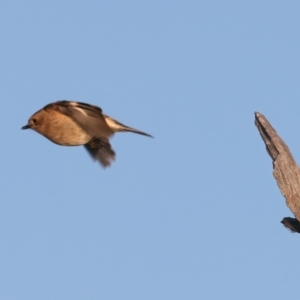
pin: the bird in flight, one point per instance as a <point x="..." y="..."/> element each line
<point x="71" y="123"/>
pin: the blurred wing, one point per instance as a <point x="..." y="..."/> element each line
<point x="100" y="149"/>
<point x="291" y="223"/>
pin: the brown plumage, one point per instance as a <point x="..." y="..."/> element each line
<point x="70" y="123"/>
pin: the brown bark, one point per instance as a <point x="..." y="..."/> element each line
<point x="285" y="168"/>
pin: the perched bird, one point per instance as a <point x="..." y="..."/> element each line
<point x="70" y="123"/>
<point x="292" y="224"/>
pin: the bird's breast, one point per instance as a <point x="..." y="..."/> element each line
<point x="64" y="131"/>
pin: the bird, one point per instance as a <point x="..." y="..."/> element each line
<point x="72" y="123"/>
<point x="291" y="223"/>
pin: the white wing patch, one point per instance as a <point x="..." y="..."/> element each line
<point x="112" y="124"/>
<point x="75" y="106"/>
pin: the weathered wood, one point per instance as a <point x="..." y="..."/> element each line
<point x="285" y="168"/>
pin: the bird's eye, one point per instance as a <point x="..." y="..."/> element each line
<point x="33" y="121"/>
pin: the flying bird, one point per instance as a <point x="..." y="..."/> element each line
<point x="70" y="123"/>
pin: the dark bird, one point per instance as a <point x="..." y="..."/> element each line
<point x="70" y="123"/>
<point x="292" y="224"/>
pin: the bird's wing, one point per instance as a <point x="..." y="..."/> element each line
<point x="100" y="149"/>
<point x="89" y="117"/>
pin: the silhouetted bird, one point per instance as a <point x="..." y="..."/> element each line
<point x="70" y="123"/>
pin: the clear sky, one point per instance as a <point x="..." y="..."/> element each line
<point x="193" y="213"/>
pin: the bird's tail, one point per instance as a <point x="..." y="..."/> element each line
<point x="119" y="127"/>
<point x="100" y="149"/>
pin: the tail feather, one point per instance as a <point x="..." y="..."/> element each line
<point x="100" y="149"/>
<point x="119" y="127"/>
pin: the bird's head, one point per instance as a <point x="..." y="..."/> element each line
<point x="35" y="122"/>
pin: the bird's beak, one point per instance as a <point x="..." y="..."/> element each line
<point x="26" y="127"/>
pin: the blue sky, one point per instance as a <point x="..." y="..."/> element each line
<point x="193" y="213"/>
